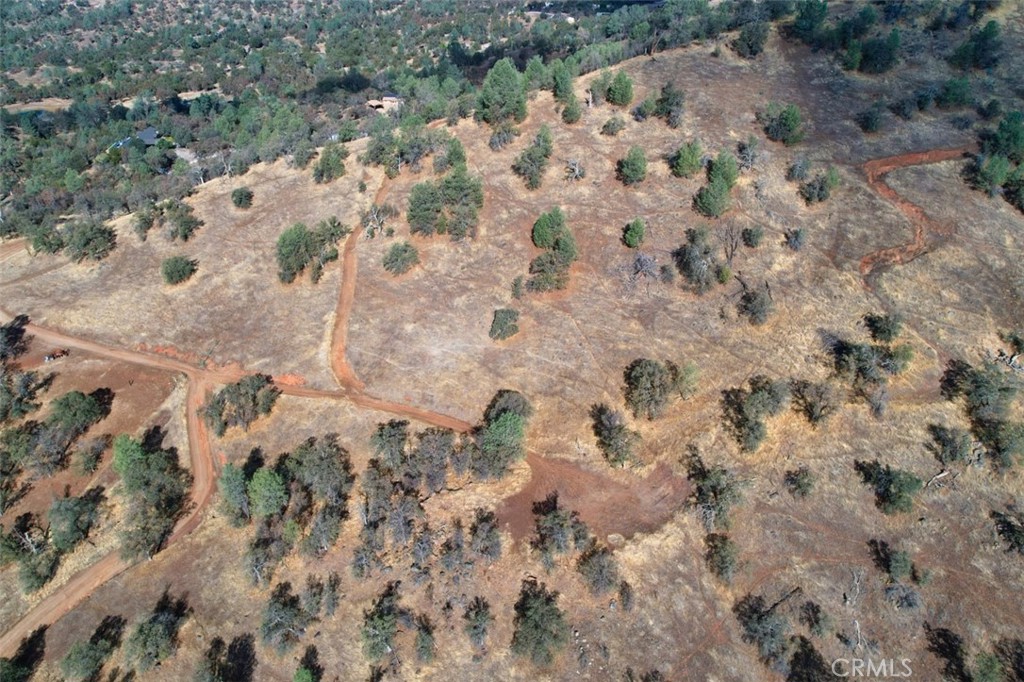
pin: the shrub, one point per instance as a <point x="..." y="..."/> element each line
<point x="502" y="97"/>
<point x="401" y="258"/>
<point x="715" y="491"/>
<point x="1010" y="526"/>
<point x="478" y="619"/>
<point x="540" y="626"/>
<point x="505" y="324"/>
<point x="817" y="401"/>
<point x="870" y="120"/>
<point x="955" y="92"/>
<point x="713" y="200"/>
<point x="797" y="172"/>
<point x="762" y="625"/>
<point x="632" y="169"/>
<point x="990" y="173"/>
<point x="613" y="126"/>
<point x="696" y="261"/>
<point x="533" y="161"/>
<point x="331" y="163"/>
<point x="724" y="169"/>
<point x="615" y="440"/>
<point x="820" y="188"/>
<point x="800" y="481"/>
<point x="894" y="489"/>
<point x="241" y="403"/>
<point x="178" y="269"/>
<point x="795" y="239"/>
<point x="782" y="123"/>
<point x="756" y="304"/>
<point x="751" y="40"/>
<point x="721" y="555"/>
<point x="242" y="197"/>
<point x="88" y="239"/>
<point x="879" y="55"/>
<point x="981" y="50"/>
<point x="620" y="92"/>
<point x="687" y="160"/>
<point x="572" y="112"/>
<point x="1008" y="138"/>
<point x="904" y="108"/>
<point x="633" y="234"/>
<point x="598" y="568"/>
<point x="746" y="409"/>
<point x="669" y="105"/>
<point x="752" y="237"/>
<point x="650" y="384"/>
<point x="547" y="228"/>
<point x="425" y="213"/>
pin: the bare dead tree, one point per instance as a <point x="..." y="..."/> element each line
<point x="574" y="170"/>
<point x="731" y="238"/>
<point x="376" y="217"/>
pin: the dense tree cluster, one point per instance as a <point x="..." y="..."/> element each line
<point x="650" y="384"/>
<point x="299" y="247"/>
<point x="746" y="409"/>
<point x="241" y="403"/>
<point x="550" y="270"/>
<point x="449" y="205"/>
<point x="988" y="394"/>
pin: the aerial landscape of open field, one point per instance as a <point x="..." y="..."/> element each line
<point x="621" y="340"/>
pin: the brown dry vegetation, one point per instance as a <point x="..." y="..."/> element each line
<point x="421" y="339"/>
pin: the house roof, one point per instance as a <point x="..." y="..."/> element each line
<point x="149" y="136"/>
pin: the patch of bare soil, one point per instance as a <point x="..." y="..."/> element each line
<point x="610" y="505"/>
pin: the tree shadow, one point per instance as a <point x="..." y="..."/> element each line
<point x="29" y="654"/>
<point x="105" y="398"/>
<point x="311" y="662"/>
<point x="948" y="646"/>
<point x="253" y="462"/>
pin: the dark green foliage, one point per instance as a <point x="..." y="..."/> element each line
<point x="632" y="169"/>
<point x="782" y="123"/>
<point x="763" y="626"/>
<point x="298" y="247"/>
<point x="879" y="55"/>
<point x="156" y="489"/>
<point x="894" y="489"/>
<point x="989" y="173"/>
<point x="540" y="627"/>
<point x="745" y="410"/>
<point x="550" y="270"/>
<point x="988" y="395"/>
<point x="572" y="112"/>
<point x="620" y="91"/>
<point x="633" y="233"/>
<point x="330" y="165"/>
<point x="505" y="324"/>
<point x="426" y="206"/>
<point x="561" y="81"/>
<point x="810" y="15"/>
<point x="179" y="220"/>
<point x="870" y="120"/>
<point x="478" y="619"/>
<point x="669" y="105"/>
<point x="500" y="444"/>
<point x="981" y="50"/>
<point x="449" y="205"/>
<point x="817" y="401"/>
<point x="752" y="236"/>
<point x="756" y="304"/>
<point x="284" y="619"/>
<point x="800" y="481"/>
<point x="715" y="491"/>
<point x="85" y="659"/>
<point x="241" y="403"/>
<point x="178" y="269"/>
<point x="18" y="391"/>
<point x="721" y="556"/>
<point x="242" y="197"/>
<point x="533" y="161"/>
<point x="895" y="562"/>
<point x="234" y="496"/>
<point x="613" y="126"/>
<point x="1010" y="526"/>
<point x="955" y="92"/>
<point x="502" y="97"/>
<point x="401" y="258"/>
<point x="71" y="518"/>
<point x="380" y="624"/>
<point x="884" y="328"/>
<point x="650" y="384"/>
<point x="557" y="531"/>
<point x="751" y="40"/>
<point x="548" y="227"/>
<point x="724" y="169"/>
<point x="713" y="200"/>
<point x="687" y="160"/>
<point x="88" y="239"/>
<point x="155" y="638"/>
<point x="598" y="568"/>
<point x="616" y="441"/>
<point x="1008" y="138"/>
<point x="820" y="187"/>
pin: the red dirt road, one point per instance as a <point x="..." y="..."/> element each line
<point x="876" y="170"/>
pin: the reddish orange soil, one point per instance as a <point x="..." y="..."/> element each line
<point x="876" y="170"/>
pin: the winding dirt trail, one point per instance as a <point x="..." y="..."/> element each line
<point x="876" y="171"/>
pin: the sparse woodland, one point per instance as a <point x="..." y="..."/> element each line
<point x="711" y="398"/>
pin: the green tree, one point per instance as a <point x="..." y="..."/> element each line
<point x="70" y="519"/>
<point x="478" y="620"/>
<point x="751" y="40"/>
<point x="561" y="81"/>
<point x="242" y="197"/>
<point x="234" y="498"/>
<point x="721" y="556"/>
<point x="599" y="570"/>
<point x="85" y="659"/>
<point x="633" y="234"/>
<point x="505" y="324"/>
<point x="401" y="258"/>
<point x="295" y="248"/>
<point x="540" y="627"/>
<point x="725" y="169"/>
<point x="713" y="200"/>
<point x="572" y="112"/>
<point x="547" y="228"/>
<point x="620" y="92"/>
<point x="991" y="173"/>
<point x="650" y="384"/>
<point x="178" y="269"/>
<point x="267" y="493"/>
<point x="331" y="163"/>
<point x="380" y="624"/>
<point x="894" y="489"/>
<point x="632" y="169"/>
<point x="614" y="438"/>
<point x="687" y="160"/>
<point x="782" y="123"/>
<point x="88" y="239"/>
<point x="426" y="209"/>
<point x="981" y="50"/>
<point x="500" y="443"/>
<point x="502" y="97"/>
<point x="75" y="412"/>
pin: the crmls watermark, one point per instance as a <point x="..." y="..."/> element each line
<point x="870" y="667"/>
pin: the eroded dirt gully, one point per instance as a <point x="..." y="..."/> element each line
<point x="202" y="379"/>
<point x="876" y="170"/>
